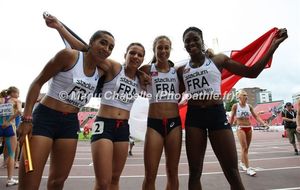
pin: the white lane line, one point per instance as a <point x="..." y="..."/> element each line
<point x="253" y="146"/>
<point x="253" y="151"/>
<point x="185" y="163"/>
<point x="164" y="175"/>
<point x="291" y="188"/>
<point x="210" y="155"/>
<point x="283" y="168"/>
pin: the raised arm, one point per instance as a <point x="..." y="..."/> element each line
<point x="251" y="72"/>
<point x="53" y="22"/>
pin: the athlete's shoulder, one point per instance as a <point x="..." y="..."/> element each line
<point x="14" y="100"/>
<point x="220" y="58"/>
<point x="145" y="68"/>
<point x="234" y="106"/>
<point x="111" y="62"/>
<point x="114" y="65"/>
<point x="182" y="63"/>
<point x="67" y="55"/>
<point x="68" y="52"/>
<point x="250" y="106"/>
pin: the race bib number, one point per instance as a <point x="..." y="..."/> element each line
<point x="245" y="114"/>
<point x="79" y="93"/>
<point x="6" y="109"/>
<point x="126" y="90"/>
<point x="164" y="91"/>
<point x="98" y="127"/>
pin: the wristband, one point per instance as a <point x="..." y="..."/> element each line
<point x="27" y="119"/>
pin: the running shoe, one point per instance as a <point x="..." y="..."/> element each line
<point x="16" y="164"/>
<point x="242" y="166"/>
<point x="11" y="182"/>
<point x="251" y="171"/>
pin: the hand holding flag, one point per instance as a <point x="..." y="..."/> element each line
<point x="250" y="54"/>
<point x="53" y="22"/>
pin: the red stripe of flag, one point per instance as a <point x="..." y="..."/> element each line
<point x="248" y="56"/>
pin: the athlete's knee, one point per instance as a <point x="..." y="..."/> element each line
<point x="233" y="170"/>
<point x="245" y="149"/>
<point x="195" y="173"/>
<point x="172" y="172"/>
<point x="57" y="183"/>
<point x="28" y="187"/>
<point x="102" y="184"/>
<point x="11" y="155"/>
<point x="115" y="179"/>
<point x="150" y="178"/>
<point x="233" y="175"/>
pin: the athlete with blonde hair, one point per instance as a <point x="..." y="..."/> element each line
<point x="241" y="112"/>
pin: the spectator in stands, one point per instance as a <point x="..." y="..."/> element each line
<point x="289" y="118"/>
<point x="86" y="129"/>
<point x="86" y="132"/>
<point x="241" y="113"/>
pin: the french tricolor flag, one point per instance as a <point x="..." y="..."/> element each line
<point x="248" y="56"/>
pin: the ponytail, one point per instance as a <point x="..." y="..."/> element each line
<point x="3" y="93"/>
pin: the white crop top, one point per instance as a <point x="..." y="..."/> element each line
<point x="164" y="87"/>
<point x="205" y="79"/>
<point x="73" y="86"/>
<point x="121" y="91"/>
<point x="6" y="110"/>
<point x="243" y="112"/>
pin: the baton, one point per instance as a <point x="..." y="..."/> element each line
<point x="27" y="156"/>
